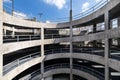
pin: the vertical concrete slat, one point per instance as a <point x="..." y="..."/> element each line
<point x="42" y="52"/>
<point x="107" y="46"/>
<point x="1" y="39"/>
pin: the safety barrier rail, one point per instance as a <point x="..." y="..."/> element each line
<point x="52" y="36"/>
<point x="67" y="65"/>
<point x="95" y="51"/>
<point x="17" y="38"/>
<point x="91" y="10"/>
<point x="10" y="66"/>
<point x="89" y="70"/>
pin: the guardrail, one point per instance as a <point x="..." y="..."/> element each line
<point x="115" y="56"/>
<point x="95" y="51"/>
<point x="52" y="36"/>
<point x="17" y="38"/>
<point x="56" y="66"/>
<point x="91" y="10"/>
<point x="10" y="66"/>
<point x="89" y="70"/>
<point x="67" y="65"/>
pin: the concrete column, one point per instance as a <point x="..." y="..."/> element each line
<point x="4" y="27"/>
<point x="118" y="21"/>
<point x="119" y="27"/>
<point x="107" y="47"/>
<point x="1" y="39"/>
<point x="13" y="32"/>
<point x="42" y="52"/>
<point x="34" y="31"/>
<point x="71" y="46"/>
<point x="94" y="30"/>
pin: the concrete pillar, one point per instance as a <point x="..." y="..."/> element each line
<point x="107" y="47"/>
<point x="119" y="27"/>
<point x="13" y="32"/>
<point x="118" y="21"/>
<point x="4" y="27"/>
<point x="71" y="46"/>
<point x="34" y="31"/>
<point x="42" y="52"/>
<point x="1" y="39"/>
<point x="94" y="30"/>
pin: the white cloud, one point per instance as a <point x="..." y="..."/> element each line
<point x="48" y="21"/>
<point x="7" y="1"/>
<point x="20" y="15"/>
<point x="58" y="3"/>
<point x="85" y="6"/>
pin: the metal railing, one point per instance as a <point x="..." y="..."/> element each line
<point x="115" y="56"/>
<point x="56" y="66"/>
<point x="52" y="36"/>
<point x="91" y="10"/>
<point x="10" y="66"/>
<point x="89" y="70"/>
<point x="95" y="51"/>
<point x="67" y="65"/>
<point x="35" y="73"/>
<point x="17" y="38"/>
<point x="82" y="14"/>
<point x="55" y="51"/>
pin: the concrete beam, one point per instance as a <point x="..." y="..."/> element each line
<point x="107" y="47"/>
<point x="42" y="53"/>
<point x="119" y="37"/>
<point x="1" y="39"/>
<point x="94" y="30"/>
<point x="9" y="19"/>
<point x="11" y="47"/>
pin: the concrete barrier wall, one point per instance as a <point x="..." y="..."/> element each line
<point x="10" y="75"/>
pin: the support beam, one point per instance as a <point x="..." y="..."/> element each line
<point x="118" y="41"/>
<point x="94" y="28"/>
<point x="13" y="31"/>
<point x="94" y="31"/>
<point x="4" y="27"/>
<point x="71" y="42"/>
<point x="42" y="52"/>
<point x="1" y="39"/>
<point x="107" y="47"/>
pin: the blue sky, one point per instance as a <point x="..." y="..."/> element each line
<point x="51" y="10"/>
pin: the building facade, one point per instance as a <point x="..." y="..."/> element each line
<point x="31" y="50"/>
